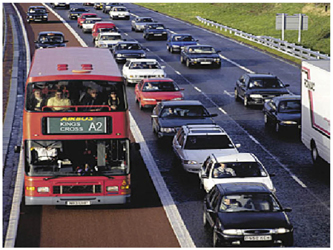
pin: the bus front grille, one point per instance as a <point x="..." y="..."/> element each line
<point x="84" y="189"/>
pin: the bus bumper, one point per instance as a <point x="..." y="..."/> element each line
<point x="77" y="201"/>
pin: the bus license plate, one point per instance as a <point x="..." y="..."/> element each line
<point x="78" y="203"/>
<point x="258" y="238"/>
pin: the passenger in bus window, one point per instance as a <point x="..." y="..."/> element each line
<point x="58" y="102"/>
<point x="90" y="99"/>
<point x="113" y="100"/>
<point x="37" y="101"/>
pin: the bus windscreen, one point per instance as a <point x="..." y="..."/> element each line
<point x="76" y="95"/>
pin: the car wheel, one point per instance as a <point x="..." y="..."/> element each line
<point x="188" y="64"/>
<point x="133" y="29"/>
<point x="140" y="105"/>
<point x="204" y="218"/>
<point x="277" y="127"/>
<point x="171" y="50"/>
<point x="314" y="154"/>
<point x="218" y="65"/>
<point x="246" y="102"/>
<point x="216" y="240"/>
<point x="266" y="119"/>
<point x="136" y="99"/>
<point x="236" y="95"/>
<point x="182" y="59"/>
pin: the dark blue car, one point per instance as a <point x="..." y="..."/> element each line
<point x="176" y="42"/>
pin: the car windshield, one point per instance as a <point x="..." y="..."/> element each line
<point x="252" y="202"/>
<point x="128" y="46"/>
<point x="156" y="26"/>
<point x="145" y="20"/>
<point x="201" y="50"/>
<point x="120" y="9"/>
<point x="54" y="38"/>
<point x="184" y="112"/>
<point x="292" y="106"/>
<point x="159" y="87"/>
<point x="76" y="157"/>
<point x="110" y="37"/>
<point x="238" y="170"/>
<point x="265" y="83"/>
<point x="208" y="142"/>
<point x="182" y="38"/>
<point x="78" y="10"/>
<point x="37" y="10"/>
<point x="144" y="65"/>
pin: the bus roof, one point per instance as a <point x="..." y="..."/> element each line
<point x="73" y="62"/>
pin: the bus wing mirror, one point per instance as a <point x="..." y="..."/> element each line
<point x="137" y="146"/>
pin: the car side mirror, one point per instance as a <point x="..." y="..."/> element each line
<point x="287" y="209"/>
<point x="125" y="39"/>
<point x="213" y="115"/>
<point x="66" y="41"/>
<point x="197" y="40"/>
<point x="182" y="89"/>
<point x="237" y="145"/>
<point x="137" y="146"/>
<point x="287" y="85"/>
<point x="218" y="51"/>
<point x="272" y="175"/>
<point x="163" y="67"/>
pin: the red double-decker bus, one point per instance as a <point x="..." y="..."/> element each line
<point x="76" y="129"/>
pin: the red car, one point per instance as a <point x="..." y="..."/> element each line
<point x="150" y="91"/>
<point x="83" y="17"/>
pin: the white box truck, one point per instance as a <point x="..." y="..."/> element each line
<point x="316" y="105"/>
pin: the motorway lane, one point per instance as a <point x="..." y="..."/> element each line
<point x="140" y="224"/>
<point x="278" y="153"/>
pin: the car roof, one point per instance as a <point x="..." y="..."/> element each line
<point x="239" y="157"/>
<point x="129" y="42"/>
<point x="109" y="33"/>
<point x="203" y="129"/>
<point x="50" y="32"/>
<point x="181" y="103"/>
<point x="181" y="34"/>
<point x="143" y="60"/>
<point x="158" y="79"/>
<point x="286" y="98"/>
<point x="242" y="188"/>
<point x="198" y="45"/>
<point x="86" y="14"/>
<point x="259" y="75"/>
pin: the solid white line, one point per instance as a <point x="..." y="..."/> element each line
<point x="236" y="64"/>
<point x="197" y="89"/>
<point x="177" y="72"/>
<point x="169" y="206"/>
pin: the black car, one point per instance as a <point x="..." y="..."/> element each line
<point x="73" y="13"/>
<point x="155" y="31"/>
<point x="195" y="55"/>
<point x="169" y="116"/>
<point x="283" y="112"/>
<point x="37" y="13"/>
<point x="50" y="39"/>
<point x="255" y="89"/>
<point x="246" y="214"/>
<point x="124" y="50"/>
<point x="57" y="5"/>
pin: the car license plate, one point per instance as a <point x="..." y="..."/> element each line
<point x="78" y="203"/>
<point x="206" y="62"/>
<point x="157" y="34"/>
<point x="258" y="238"/>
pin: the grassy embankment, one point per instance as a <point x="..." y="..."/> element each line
<point x="257" y="19"/>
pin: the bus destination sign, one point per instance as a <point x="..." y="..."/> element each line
<point x="77" y="125"/>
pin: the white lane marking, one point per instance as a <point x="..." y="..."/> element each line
<point x="177" y="72"/>
<point x="222" y="110"/>
<point x="169" y="206"/>
<point x="228" y="93"/>
<point x="236" y="64"/>
<point x="197" y="89"/>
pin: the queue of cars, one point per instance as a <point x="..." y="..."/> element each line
<point x="240" y="205"/>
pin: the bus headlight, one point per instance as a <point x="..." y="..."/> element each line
<point x="43" y="189"/>
<point x="112" y="189"/>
